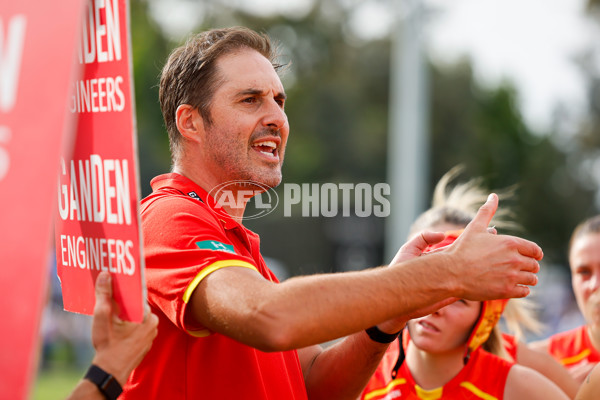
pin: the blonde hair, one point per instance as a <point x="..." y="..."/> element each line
<point x="457" y="204"/>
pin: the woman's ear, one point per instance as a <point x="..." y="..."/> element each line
<point x="189" y="122"/>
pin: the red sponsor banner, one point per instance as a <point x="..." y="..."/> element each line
<point x="37" y="43"/>
<point x="97" y="225"/>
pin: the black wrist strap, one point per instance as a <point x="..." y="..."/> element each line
<point x="107" y="384"/>
<point x="381" y="337"/>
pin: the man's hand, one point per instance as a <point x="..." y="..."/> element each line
<point x="411" y="249"/>
<point x="415" y="246"/>
<point x="120" y="345"/>
<point x="488" y="266"/>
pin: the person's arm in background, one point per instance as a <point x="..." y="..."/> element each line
<point x="578" y="372"/>
<point x="120" y="346"/>
<point x="545" y="364"/>
<point x="581" y="371"/>
<point x="525" y="383"/>
<point x="590" y="388"/>
<point x="361" y="354"/>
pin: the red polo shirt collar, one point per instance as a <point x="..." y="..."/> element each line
<point x="191" y="189"/>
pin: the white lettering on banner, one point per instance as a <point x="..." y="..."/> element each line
<point x="11" y="50"/>
<point x="99" y="42"/>
<point x="4" y="156"/>
<point x="96" y="190"/>
<point x="112" y="255"/>
<point x="100" y="38"/>
<point x="98" y="95"/>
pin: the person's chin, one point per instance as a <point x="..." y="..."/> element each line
<point x="271" y="179"/>
<point x="271" y="184"/>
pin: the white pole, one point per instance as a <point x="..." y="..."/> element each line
<point x="408" y="135"/>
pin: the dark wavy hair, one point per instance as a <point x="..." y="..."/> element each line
<point x="191" y="76"/>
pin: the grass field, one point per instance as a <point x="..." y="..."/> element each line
<point x="59" y="373"/>
<point x="55" y="383"/>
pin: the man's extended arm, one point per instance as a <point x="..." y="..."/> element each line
<point x="304" y="311"/>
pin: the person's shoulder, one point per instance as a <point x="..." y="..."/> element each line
<point x="567" y="336"/>
<point x="525" y="383"/>
<point x="551" y="340"/>
<point x="590" y="387"/>
<point x="539" y="345"/>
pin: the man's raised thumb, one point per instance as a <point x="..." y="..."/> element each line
<point x="484" y="214"/>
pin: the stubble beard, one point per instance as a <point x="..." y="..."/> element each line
<point x="235" y="162"/>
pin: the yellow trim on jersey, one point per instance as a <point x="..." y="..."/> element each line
<point x="209" y="270"/>
<point x="385" y="390"/>
<point x="577" y="358"/>
<point x="432" y="394"/>
<point x="198" y="334"/>
<point x="478" y="392"/>
<point x="203" y="274"/>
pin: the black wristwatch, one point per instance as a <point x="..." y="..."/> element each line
<point x="381" y="337"/>
<point x="106" y="383"/>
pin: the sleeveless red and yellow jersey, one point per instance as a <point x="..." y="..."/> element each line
<point x="510" y="345"/>
<point x="483" y="377"/>
<point x="573" y="347"/>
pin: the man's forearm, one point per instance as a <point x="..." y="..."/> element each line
<point x="85" y="390"/>
<point x="315" y="309"/>
<point x="343" y="370"/>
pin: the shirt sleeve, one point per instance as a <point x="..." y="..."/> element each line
<point x="183" y="243"/>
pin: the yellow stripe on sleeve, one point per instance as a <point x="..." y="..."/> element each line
<point x="577" y="358"/>
<point x="209" y="270"/>
<point x="478" y="392"/>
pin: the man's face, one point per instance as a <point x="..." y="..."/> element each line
<point x="584" y="260"/>
<point x="246" y="140"/>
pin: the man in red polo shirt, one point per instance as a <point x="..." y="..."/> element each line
<point x="227" y="328"/>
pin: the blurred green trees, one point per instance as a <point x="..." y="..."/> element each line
<point x="338" y="110"/>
